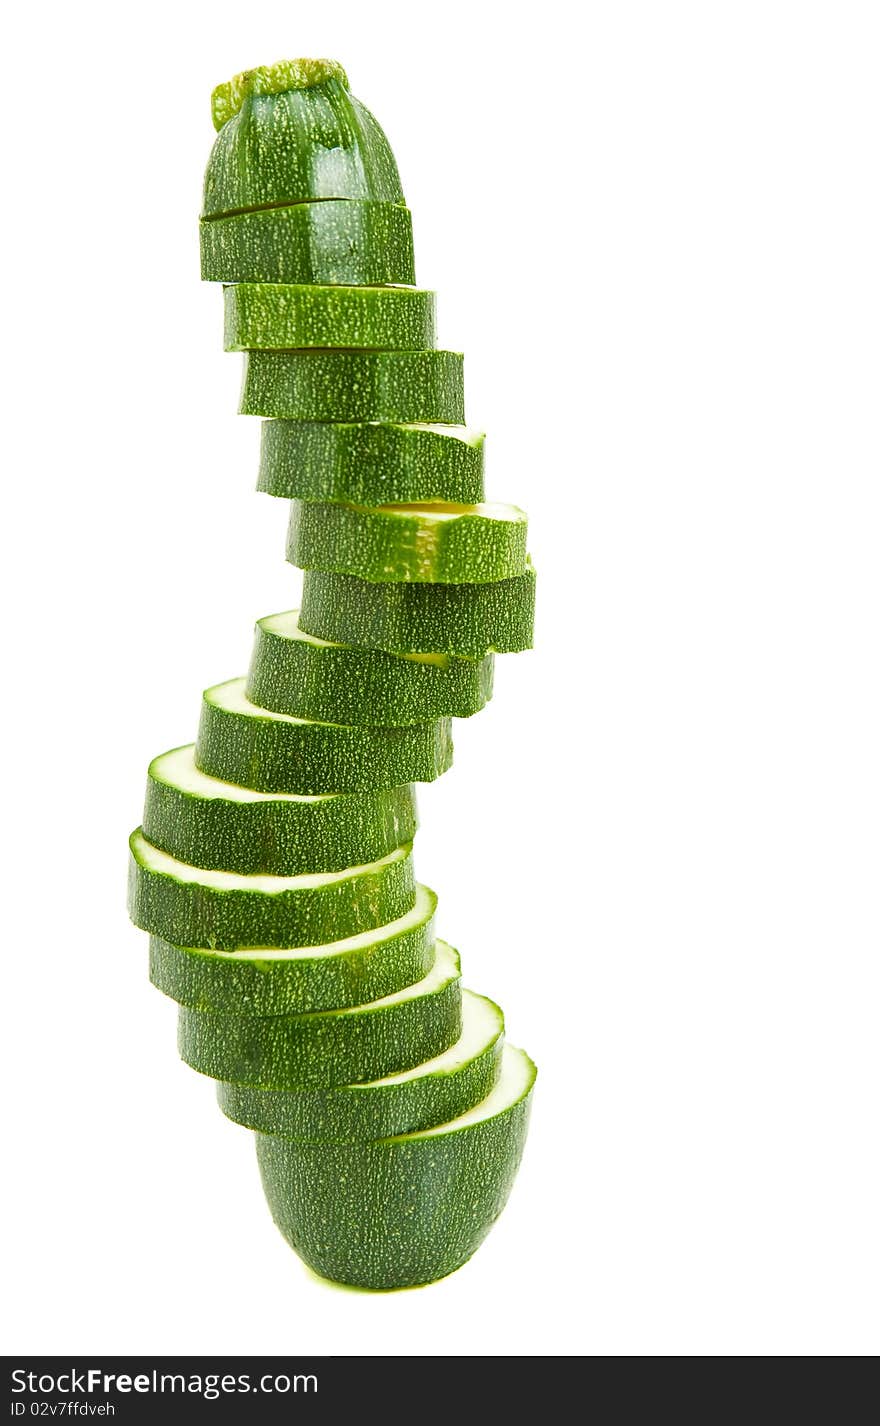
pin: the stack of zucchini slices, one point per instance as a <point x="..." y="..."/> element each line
<point x="274" y="868"/>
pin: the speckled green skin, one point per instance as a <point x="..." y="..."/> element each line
<point x="464" y="619"/>
<point x="223" y="985"/>
<point x="268" y="753"/>
<point x="366" y="1111"/>
<point x="273" y="316"/>
<point x="354" y="386"/>
<point x="378" y="464"/>
<point x="397" y="1212"/>
<point x="310" y="680"/>
<point x="332" y="1047"/>
<point x="191" y="914"/>
<point x="277" y="838"/>
<point x="344" y="242"/>
<point x="294" y="146"/>
<point x="395" y="546"/>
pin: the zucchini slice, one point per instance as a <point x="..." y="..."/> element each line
<point x="440" y="1089"/>
<point x="209" y="823"/>
<point x="370" y="463"/>
<point x="329" y="242"/>
<point x="330" y="1047"/>
<point x="421" y="543"/>
<point x="221" y="910"/>
<point x="404" y="1210"/>
<point x="275" y="752"/>
<point x="275" y="316"/>
<point x="464" y="619"/>
<point x="354" y="386"/>
<point x="257" y="980"/>
<point x="292" y="672"/>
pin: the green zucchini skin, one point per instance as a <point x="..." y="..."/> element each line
<point x="189" y="912"/>
<point x="347" y="1113"/>
<point x="354" y="386"/>
<point x="298" y="145"/>
<point x="370" y="464"/>
<point x="394" y="544"/>
<point x="331" y="242"/>
<point x="362" y="1042"/>
<point x="273" y="316"/>
<point x="275" y="836"/>
<point x="468" y="620"/>
<point x="335" y="977"/>
<point x="397" y="1212"/>
<point x="271" y="752"/>
<point x="312" y="679"/>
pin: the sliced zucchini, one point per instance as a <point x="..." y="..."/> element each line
<point x="273" y="316"/>
<point x="362" y="1042"/>
<point x="425" y="544"/>
<point x="464" y="619"/>
<point x="354" y="386"/>
<point x="256" y="980"/>
<point x="210" y="823"/>
<point x="405" y="1210"/>
<point x="431" y="1093"/>
<point x="274" y="752"/>
<point x="370" y="463"/>
<point x="293" y="132"/>
<point x="329" y="242"/>
<point x="292" y="672"/>
<point x="221" y="910"/>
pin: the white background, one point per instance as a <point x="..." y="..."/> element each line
<point x="654" y="230"/>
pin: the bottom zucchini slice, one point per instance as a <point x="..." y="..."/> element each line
<point x="330" y="1047"/>
<point x="406" y="1210"/>
<point x="440" y="1089"/>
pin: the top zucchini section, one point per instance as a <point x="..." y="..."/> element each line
<point x="294" y="133"/>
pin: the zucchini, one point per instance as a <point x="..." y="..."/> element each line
<point x="439" y="1089"/>
<point x="220" y="910"/>
<point x="274" y="752"/>
<point x="208" y="823"/>
<point x="424" y="544"/>
<point x="292" y="672"/>
<point x="330" y="242"/>
<point x="354" y="386"/>
<point x="404" y="1210"/>
<point x="254" y="980"/>
<point x="370" y="464"/>
<point x="463" y="619"/>
<point x="274" y="316"/>
<point x="274" y="870"/>
<point x="290" y="133"/>
<point x="361" y="1042"/>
